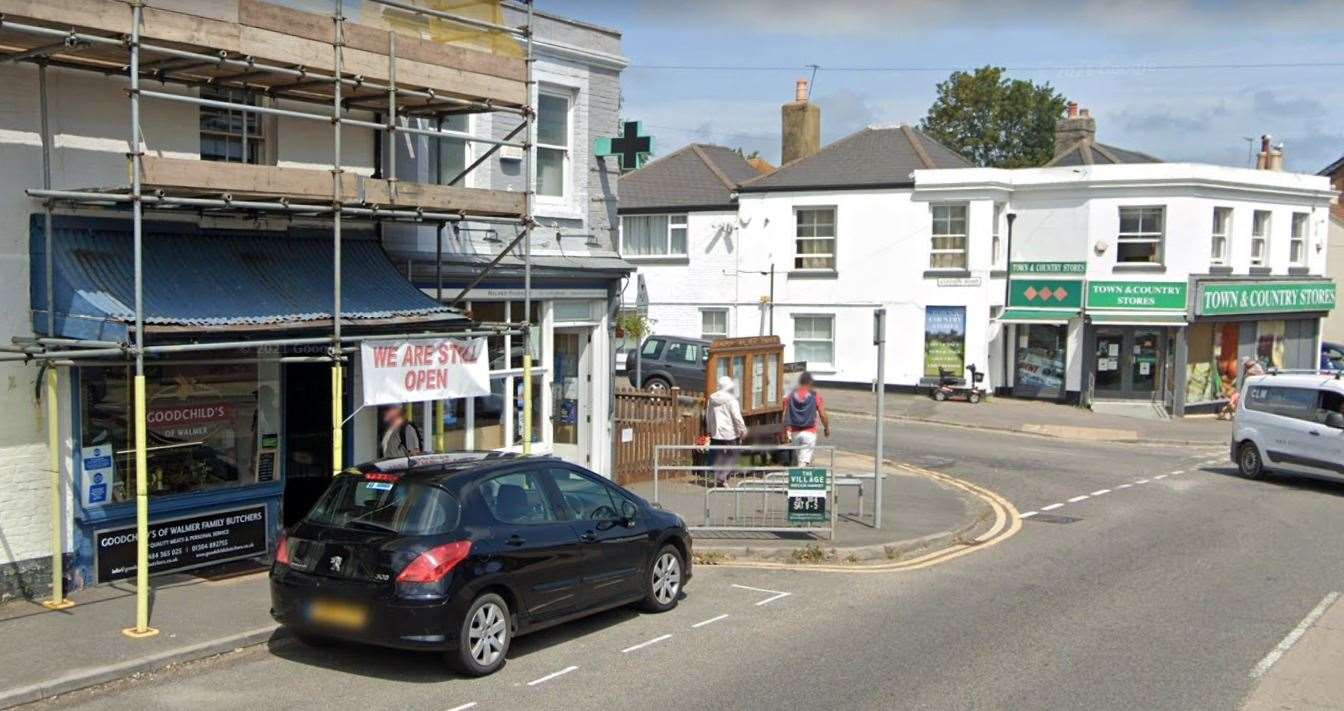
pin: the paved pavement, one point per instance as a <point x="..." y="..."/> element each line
<point x="1042" y="418"/>
<point x="1161" y="580"/>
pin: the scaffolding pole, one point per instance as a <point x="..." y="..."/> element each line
<point x="141" y="628"/>
<point x="529" y="119"/>
<point x="337" y="379"/>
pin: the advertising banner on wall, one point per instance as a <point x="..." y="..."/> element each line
<point x="944" y="340"/>
<point x="424" y="369"/>
<point x="182" y="543"/>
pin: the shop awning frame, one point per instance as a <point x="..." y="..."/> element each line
<point x="1055" y="317"/>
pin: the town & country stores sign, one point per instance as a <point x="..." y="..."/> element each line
<point x="1146" y="295"/>
<point x="1226" y="298"/>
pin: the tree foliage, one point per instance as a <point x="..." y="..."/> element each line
<point x="994" y="121"/>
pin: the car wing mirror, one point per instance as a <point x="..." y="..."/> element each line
<point x="1334" y="420"/>
<point x="628" y="514"/>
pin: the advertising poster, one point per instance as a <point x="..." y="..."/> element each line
<point x="182" y="543"/>
<point x="98" y="474"/>
<point x="945" y="340"/>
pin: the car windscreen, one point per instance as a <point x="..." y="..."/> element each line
<point x="386" y="502"/>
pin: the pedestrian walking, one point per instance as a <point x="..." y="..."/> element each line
<point x="804" y="408"/>
<point x="401" y="438"/>
<point x="723" y="419"/>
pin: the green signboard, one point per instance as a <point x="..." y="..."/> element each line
<point x="1029" y="292"/>
<point x="1137" y="295"/>
<point x="1049" y="267"/>
<point x="1226" y="298"/>
<point x="807" y="494"/>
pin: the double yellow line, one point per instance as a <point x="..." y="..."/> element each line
<point x="1007" y="523"/>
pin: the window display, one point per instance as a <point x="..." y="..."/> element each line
<point x="209" y="425"/>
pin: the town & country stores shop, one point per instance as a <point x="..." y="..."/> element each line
<point x="1132" y="328"/>
<point x="1276" y="322"/>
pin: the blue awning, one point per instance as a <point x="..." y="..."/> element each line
<point x="203" y="281"/>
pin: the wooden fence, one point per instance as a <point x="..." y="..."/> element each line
<point x="646" y="419"/>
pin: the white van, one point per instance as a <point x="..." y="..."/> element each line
<point x="1290" y="422"/>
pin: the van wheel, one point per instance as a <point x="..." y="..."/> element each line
<point x="483" y="640"/>
<point x="662" y="584"/>
<point x="1250" y="463"/>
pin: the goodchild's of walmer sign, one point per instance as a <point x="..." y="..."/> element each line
<point x="422" y="369"/>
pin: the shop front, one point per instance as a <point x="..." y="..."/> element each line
<point x="1037" y="319"/>
<point x="1276" y="323"/>
<point x="1131" y="336"/>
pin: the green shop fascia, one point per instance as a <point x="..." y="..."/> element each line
<point x="1276" y="322"/>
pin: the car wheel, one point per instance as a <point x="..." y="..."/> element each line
<point x="308" y="639"/>
<point x="662" y="585"/>
<point x="657" y="385"/>
<point x="1250" y="463"/>
<point x="483" y="640"/>
<point x="973" y="398"/>
<point x="939" y="395"/>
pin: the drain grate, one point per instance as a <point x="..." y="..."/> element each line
<point x="1053" y="518"/>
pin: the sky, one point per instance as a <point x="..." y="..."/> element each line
<point x="1184" y="80"/>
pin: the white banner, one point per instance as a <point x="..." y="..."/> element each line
<point x="423" y="369"/>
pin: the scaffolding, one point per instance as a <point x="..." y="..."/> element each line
<point x="54" y="43"/>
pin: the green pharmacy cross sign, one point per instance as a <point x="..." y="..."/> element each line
<point x="632" y="147"/>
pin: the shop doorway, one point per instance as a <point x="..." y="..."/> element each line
<point x="1040" y="361"/>
<point x="571" y="393"/>
<point x="1129" y="362"/>
<point x="307" y="436"/>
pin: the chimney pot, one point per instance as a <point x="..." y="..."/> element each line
<point x="1073" y="109"/>
<point x="1085" y="113"/>
<point x="800" y="90"/>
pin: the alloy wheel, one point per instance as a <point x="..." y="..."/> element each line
<point x="488" y="633"/>
<point x="666" y="578"/>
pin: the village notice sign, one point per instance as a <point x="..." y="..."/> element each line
<point x="423" y="369"/>
<point x="1230" y="298"/>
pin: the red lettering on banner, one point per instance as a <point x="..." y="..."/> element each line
<point x="385" y="356"/>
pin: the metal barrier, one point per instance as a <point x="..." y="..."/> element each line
<point x="779" y="498"/>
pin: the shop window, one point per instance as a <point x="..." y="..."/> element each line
<point x="208" y="426"/>
<point x="574" y="311"/>
<point x="516" y="346"/>
<point x="451" y="434"/>
<point x="1141" y="234"/>
<point x="653" y="236"/>
<point x="713" y="323"/>
<point x="814" y="340"/>
<point x="1297" y="245"/>
<point x="1211" y="369"/>
<point x="948" y="248"/>
<point x="488" y="416"/>
<point x="516" y="383"/>
<point x="814" y="239"/>
<point x="1222" y="228"/>
<point x="1261" y="224"/>
<point x="1269" y="343"/>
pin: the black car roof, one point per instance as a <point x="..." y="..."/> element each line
<point x="443" y="464"/>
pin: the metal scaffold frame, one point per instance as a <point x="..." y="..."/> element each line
<point x="53" y="352"/>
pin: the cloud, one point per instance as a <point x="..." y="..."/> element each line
<point x="887" y="18"/>
<point x="1280" y="105"/>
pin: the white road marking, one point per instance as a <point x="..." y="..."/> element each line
<point x="710" y="621"/>
<point x="1100" y="492"/>
<point x="1076" y="499"/>
<point x="777" y="594"/>
<point x="552" y="675"/>
<point x="1141" y="481"/>
<point x="1178" y="472"/>
<point x="1159" y="476"/>
<point x="1292" y="638"/>
<point x="642" y="645"/>
<point x="1051" y="507"/>
<point x="1124" y="486"/>
<point x="1027" y="514"/>
<point x="463" y="707"/>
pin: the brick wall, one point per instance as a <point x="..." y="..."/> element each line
<point x="25" y="521"/>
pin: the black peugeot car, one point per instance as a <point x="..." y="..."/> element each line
<point x="461" y="552"/>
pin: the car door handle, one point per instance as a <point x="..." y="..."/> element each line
<point x="1314" y="433"/>
<point x="515" y="540"/>
<point x="588" y="537"/>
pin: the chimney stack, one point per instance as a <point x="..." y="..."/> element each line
<point x="801" y="126"/>
<point x="1077" y="125"/>
<point x="1271" y="156"/>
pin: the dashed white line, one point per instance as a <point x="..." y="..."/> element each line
<point x="1178" y="472"/>
<point x="552" y="675"/>
<point x="1026" y="514"/>
<point x="777" y="593"/>
<point x="1100" y="492"/>
<point x="1141" y="481"/>
<point x="710" y="621"/>
<point x="1051" y="507"/>
<point x="463" y="707"/>
<point x="1292" y="638"/>
<point x="769" y="600"/>
<point x="1124" y="486"/>
<point x="1076" y="499"/>
<point x="642" y="645"/>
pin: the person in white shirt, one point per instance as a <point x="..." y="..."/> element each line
<point x="723" y="418"/>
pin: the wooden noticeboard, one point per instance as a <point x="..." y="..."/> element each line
<point x="756" y="363"/>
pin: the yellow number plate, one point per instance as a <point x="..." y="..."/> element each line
<point x="337" y="614"/>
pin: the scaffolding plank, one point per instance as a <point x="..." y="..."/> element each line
<point x="188" y="176"/>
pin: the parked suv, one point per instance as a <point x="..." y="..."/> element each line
<point x="669" y="361"/>
<point x="1292" y="423"/>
